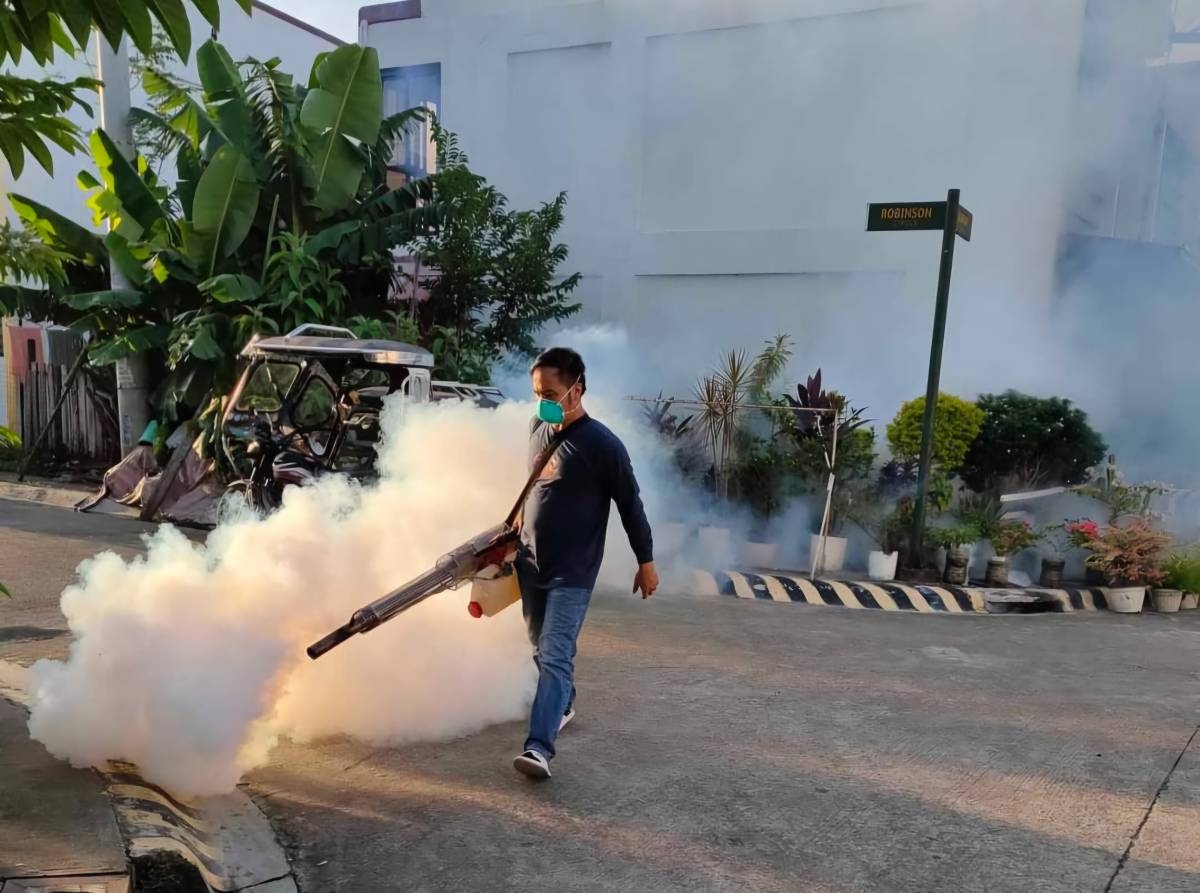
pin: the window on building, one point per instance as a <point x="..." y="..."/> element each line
<point x="406" y="87"/>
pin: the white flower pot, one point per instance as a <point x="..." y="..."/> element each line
<point x="881" y="566"/>
<point x="762" y="555"/>
<point x="1191" y="601"/>
<point x="716" y="547"/>
<point x="1166" y="601"/>
<point x="669" y="539"/>
<point x="835" y="552"/>
<point x="1125" y="599"/>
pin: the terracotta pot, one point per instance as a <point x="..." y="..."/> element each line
<point x="882" y="566"/>
<point x="1166" y="601"/>
<point x="760" y="555"/>
<point x="1052" y="573"/>
<point x="835" y="552"/>
<point x="997" y="571"/>
<point x="1191" y="601"/>
<point x="956" y="566"/>
<point x="1125" y="599"/>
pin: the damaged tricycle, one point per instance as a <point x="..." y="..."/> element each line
<point x="308" y="403"/>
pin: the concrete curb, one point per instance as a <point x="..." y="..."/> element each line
<point x="42" y="493"/>
<point x="922" y="599"/>
<point x="227" y="838"/>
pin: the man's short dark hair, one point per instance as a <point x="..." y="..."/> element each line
<point x="566" y="362"/>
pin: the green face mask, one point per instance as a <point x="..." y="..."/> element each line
<point x="551" y="411"/>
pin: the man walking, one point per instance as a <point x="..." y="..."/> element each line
<point x="563" y="524"/>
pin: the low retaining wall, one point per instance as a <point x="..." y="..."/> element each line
<point x="893" y="596"/>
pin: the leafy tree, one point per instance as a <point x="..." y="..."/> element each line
<point x="1031" y="440"/>
<point x="497" y="282"/>
<point x="956" y="425"/>
<point x="32" y="112"/>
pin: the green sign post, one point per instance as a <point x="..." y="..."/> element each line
<point x="953" y="220"/>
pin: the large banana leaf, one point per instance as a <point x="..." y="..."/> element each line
<point x="124" y="194"/>
<point x="58" y="232"/>
<point x="125" y="260"/>
<point x="222" y="210"/>
<point x="110" y="299"/>
<point x="344" y="112"/>
<point x="228" y="104"/>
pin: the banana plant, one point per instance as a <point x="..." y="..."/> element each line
<point x="272" y="176"/>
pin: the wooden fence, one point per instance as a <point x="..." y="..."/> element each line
<point x="85" y="428"/>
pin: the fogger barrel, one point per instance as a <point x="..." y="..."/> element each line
<point x="454" y="567"/>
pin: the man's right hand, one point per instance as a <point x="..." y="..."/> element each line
<point x="646" y="579"/>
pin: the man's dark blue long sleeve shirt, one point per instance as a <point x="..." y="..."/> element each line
<point x="565" y="516"/>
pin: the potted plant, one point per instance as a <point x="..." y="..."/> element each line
<point x="1131" y="557"/>
<point x="1007" y="539"/>
<point x="824" y="435"/>
<point x="723" y="396"/>
<point x="955" y="540"/>
<point x="759" y="479"/>
<point x="1056" y="538"/>
<point x="889" y="531"/>
<point x="679" y="439"/>
<point x="985" y="515"/>
<point x="1183" y="573"/>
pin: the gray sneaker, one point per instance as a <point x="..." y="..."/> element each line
<point x="533" y="764"/>
<point x="567" y="717"/>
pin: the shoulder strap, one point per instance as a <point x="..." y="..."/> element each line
<point x="538" y="467"/>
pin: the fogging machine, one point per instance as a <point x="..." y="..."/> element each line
<point x="491" y="549"/>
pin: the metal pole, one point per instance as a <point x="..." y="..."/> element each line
<point x="935" y="374"/>
<point x="818" y="560"/>
<point x="133" y="388"/>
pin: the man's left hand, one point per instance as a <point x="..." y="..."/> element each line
<point x="646" y="579"/>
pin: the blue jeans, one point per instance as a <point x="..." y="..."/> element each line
<point x="553" y="618"/>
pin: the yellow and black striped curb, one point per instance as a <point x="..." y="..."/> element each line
<point x="880" y="596"/>
<point x="226" y="838"/>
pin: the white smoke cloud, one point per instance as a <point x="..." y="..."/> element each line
<point x="189" y="660"/>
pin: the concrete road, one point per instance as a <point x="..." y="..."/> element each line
<point x="727" y="745"/>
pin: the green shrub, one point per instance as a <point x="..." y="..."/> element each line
<point x="983" y="514"/>
<point x="956" y="426"/>
<point x="1031" y="440"/>
<point x="10" y="447"/>
<point x="1183" y="572"/>
<point x="953" y="537"/>
<point x="855" y="458"/>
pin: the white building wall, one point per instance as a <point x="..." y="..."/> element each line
<point x="719" y="158"/>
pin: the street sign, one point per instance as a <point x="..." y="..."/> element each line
<point x="954" y="221"/>
<point x="963" y="225"/>
<point x="906" y="215"/>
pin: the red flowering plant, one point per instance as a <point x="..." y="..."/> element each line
<point x="1081" y="534"/>
<point x="1130" y="554"/>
